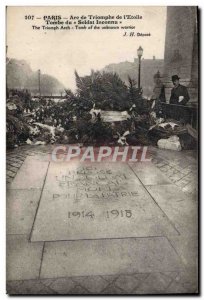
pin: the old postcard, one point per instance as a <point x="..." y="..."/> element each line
<point x="102" y="150"/>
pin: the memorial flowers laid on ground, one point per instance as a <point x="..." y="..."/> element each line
<point x="103" y="111"/>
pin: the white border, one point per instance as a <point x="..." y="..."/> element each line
<point x="3" y="4"/>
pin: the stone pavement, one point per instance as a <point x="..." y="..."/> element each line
<point x="180" y="167"/>
<point x="148" y="247"/>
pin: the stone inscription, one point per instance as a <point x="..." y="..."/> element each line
<point x="93" y="183"/>
<point x="114" y="213"/>
<point x="93" y="201"/>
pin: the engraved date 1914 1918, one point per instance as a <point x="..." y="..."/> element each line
<point x="114" y="213"/>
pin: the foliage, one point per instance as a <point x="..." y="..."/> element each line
<point x="17" y="131"/>
<point x="106" y="90"/>
<point x="71" y="119"/>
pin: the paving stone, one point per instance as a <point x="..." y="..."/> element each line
<point x="149" y="174"/>
<point x="11" y="155"/>
<point x="62" y="285"/>
<point x="110" y="278"/>
<point x="47" y="282"/>
<point x="23" y="258"/>
<point x="8" y="179"/>
<point x="21" y="207"/>
<point x="12" y="168"/>
<point x="176" y="177"/>
<point x="178" y="288"/>
<point x="32" y="287"/>
<point x="47" y="291"/>
<point x="191" y="189"/>
<point x="141" y="276"/>
<point x="31" y="174"/>
<point x="165" y="168"/>
<point x="187" y="248"/>
<point x="185" y="282"/>
<point x="15" y="160"/>
<point x="12" y="286"/>
<point x="175" y="171"/>
<point x="21" y="156"/>
<point x="156" y="283"/>
<point x="187" y="170"/>
<point x="180" y="165"/>
<point x="180" y="208"/>
<point x="161" y="164"/>
<point x="154" y="161"/>
<point x="182" y="182"/>
<point x="127" y="282"/>
<point x="171" y="275"/>
<point x="171" y="172"/>
<point x="87" y="209"/>
<point x="79" y="279"/>
<point x="112" y="289"/>
<point x="184" y="165"/>
<point x="78" y="290"/>
<point x="14" y="164"/>
<point x="191" y="177"/>
<point x="94" y="284"/>
<point x="189" y="279"/>
<point x="172" y="163"/>
<point x="10" y="173"/>
<point x="10" y="290"/>
<point x="104" y="257"/>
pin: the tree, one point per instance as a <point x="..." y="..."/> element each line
<point x="106" y="90"/>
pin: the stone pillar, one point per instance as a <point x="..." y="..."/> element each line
<point x="181" y="49"/>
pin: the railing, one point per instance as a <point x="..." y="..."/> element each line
<point x="187" y="113"/>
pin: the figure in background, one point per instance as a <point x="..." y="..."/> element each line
<point x="158" y="96"/>
<point x="27" y="100"/>
<point x="180" y="97"/>
<point x="179" y="93"/>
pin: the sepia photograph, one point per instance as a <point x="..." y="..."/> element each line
<point x="102" y="150"/>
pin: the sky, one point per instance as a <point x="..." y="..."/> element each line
<point x="59" y="53"/>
